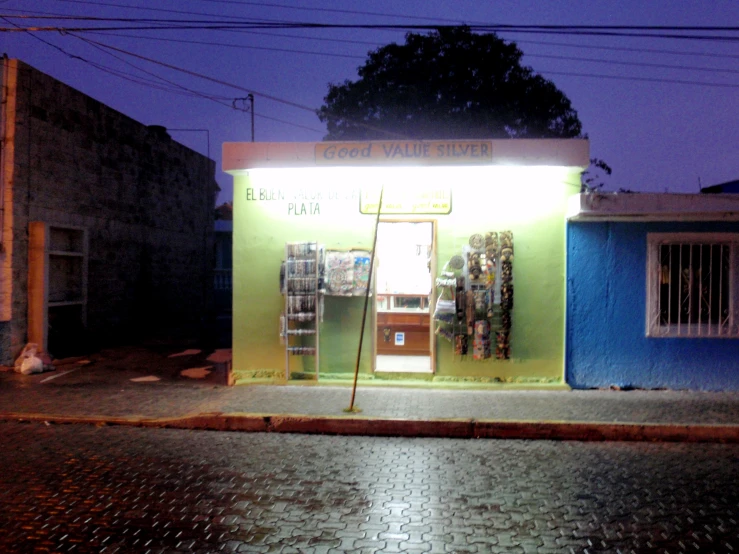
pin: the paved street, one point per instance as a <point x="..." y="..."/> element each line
<point x="80" y="488"/>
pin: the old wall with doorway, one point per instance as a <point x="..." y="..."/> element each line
<point x="145" y="201"/>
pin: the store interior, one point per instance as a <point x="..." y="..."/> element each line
<point x="403" y="292"/>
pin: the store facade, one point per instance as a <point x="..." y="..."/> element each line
<point x="462" y="225"/>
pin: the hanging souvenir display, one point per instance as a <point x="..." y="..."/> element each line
<point x="481" y="342"/>
<point x="477" y="242"/>
<point x="474" y="266"/>
<point x="346" y="272"/>
<point x="476" y="296"/>
<point x="456" y="262"/>
<point x="460" y="345"/>
<point x="491" y="258"/>
<point x="461" y="299"/>
<point x="361" y="272"/>
<point x="470" y="311"/>
<point x="502" y="345"/>
<point x="339" y="273"/>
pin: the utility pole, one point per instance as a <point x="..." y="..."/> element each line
<point x="250" y="96"/>
<point x="240" y="104"/>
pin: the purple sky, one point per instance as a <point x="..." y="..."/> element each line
<point x="664" y="113"/>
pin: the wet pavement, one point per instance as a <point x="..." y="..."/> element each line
<point x="101" y="489"/>
<point x="146" y="386"/>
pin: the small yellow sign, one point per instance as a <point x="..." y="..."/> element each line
<point x="429" y="201"/>
<point x="409" y="152"/>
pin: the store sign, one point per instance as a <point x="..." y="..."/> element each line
<point x="433" y="152"/>
<point x="399" y="201"/>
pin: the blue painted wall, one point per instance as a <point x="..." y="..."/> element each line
<point x="606" y="342"/>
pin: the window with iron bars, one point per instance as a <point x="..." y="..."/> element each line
<point x="691" y="285"/>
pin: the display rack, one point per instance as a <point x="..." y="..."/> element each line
<point x="300" y="322"/>
<point x="475" y="297"/>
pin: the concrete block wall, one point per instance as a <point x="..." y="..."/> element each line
<point x="146" y="201"/>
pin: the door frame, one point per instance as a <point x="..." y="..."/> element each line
<point x="432" y="293"/>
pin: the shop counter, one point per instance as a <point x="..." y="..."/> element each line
<point x="415" y="329"/>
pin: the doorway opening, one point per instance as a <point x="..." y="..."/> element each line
<point x="404" y="257"/>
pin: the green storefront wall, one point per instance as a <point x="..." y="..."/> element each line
<point x="282" y="197"/>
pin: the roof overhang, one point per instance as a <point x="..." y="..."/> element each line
<point x="639" y="206"/>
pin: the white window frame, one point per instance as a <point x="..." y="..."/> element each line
<point x="654" y="327"/>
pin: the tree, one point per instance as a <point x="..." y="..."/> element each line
<point x="593" y="178"/>
<point x="450" y="83"/>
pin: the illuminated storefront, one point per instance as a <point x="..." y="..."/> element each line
<point x="462" y="224"/>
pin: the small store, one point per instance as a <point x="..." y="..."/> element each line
<point x="401" y="258"/>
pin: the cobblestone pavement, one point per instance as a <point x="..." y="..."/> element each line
<point x="118" y="489"/>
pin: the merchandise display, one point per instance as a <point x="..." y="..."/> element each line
<point x="347" y="272"/>
<point x="300" y="283"/>
<point x="475" y="298"/>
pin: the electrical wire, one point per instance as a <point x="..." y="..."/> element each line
<point x="633" y="64"/>
<point x="238" y="87"/>
<point x="378" y="44"/>
<point x="229" y="45"/>
<point x="174" y="85"/>
<point x="529" y="55"/>
<point x="177" y="89"/>
<point x="647" y="79"/>
<point x="628" y="49"/>
<point x="636" y="31"/>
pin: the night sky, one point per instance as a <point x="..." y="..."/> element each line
<point x="662" y="112"/>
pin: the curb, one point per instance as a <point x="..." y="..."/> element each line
<point x="435" y="428"/>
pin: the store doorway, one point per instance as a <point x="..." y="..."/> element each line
<point x="405" y="254"/>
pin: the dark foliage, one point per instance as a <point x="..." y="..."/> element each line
<point x="451" y="83"/>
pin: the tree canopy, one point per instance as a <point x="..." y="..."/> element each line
<point x="450" y="83"/>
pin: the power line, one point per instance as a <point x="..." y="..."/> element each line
<point x="573" y="74"/>
<point x="333" y="10"/>
<point x="238" y="87"/>
<point x="636" y="31"/>
<point x="628" y="49"/>
<point x="201" y="76"/>
<point x="181" y="88"/>
<point x="534" y="55"/>
<point x="228" y="45"/>
<point x="178" y="89"/>
<point x="413" y="17"/>
<point x="648" y="79"/>
<point x="186" y="91"/>
<point x="633" y="64"/>
<point x="376" y="43"/>
<point x="143" y="8"/>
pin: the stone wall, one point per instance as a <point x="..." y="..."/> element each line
<point x="146" y="201"/>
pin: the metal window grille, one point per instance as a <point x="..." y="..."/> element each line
<point x="692" y="288"/>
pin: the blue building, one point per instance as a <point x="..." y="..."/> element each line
<point x="653" y="291"/>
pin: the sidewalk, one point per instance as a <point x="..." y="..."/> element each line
<point x="130" y="387"/>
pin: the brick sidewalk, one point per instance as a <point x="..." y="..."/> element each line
<point x="103" y="391"/>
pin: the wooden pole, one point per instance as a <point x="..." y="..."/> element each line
<point x="351" y="407"/>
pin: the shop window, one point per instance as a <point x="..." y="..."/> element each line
<point x="691" y="287"/>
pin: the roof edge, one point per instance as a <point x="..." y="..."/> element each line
<point x="242" y="156"/>
<point x="645" y="206"/>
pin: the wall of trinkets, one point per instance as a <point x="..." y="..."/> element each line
<point x="475" y="297"/>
